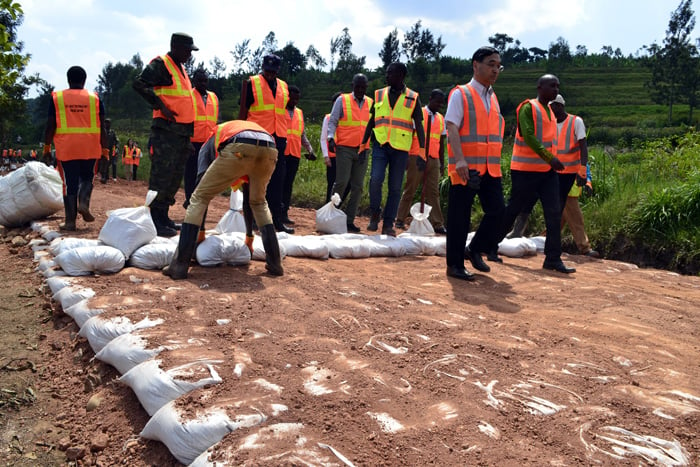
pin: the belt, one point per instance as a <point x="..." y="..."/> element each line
<point x="254" y="142"/>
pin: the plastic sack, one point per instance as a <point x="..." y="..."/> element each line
<point x="259" y="250"/>
<point x="517" y="247"/>
<point x="539" y="243"/>
<point x="31" y="192"/>
<point x="127" y="229"/>
<point x="81" y="312"/>
<point x="86" y="260"/>
<point x="69" y="296"/>
<point x="154" y="387"/>
<point x="153" y="255"/>
<point x="383" y="245"/>
<point x="340" y="246"/>
<point x="57" y="283"/>
<point x="420" y="225"/>
<point x="330" y="219"/>
<point x="99" y="331"/>
<point x="232" y="220"/>
<point x="63" y="244"/>
<point x="187" y="439"/>
<point x="229" y="249"/>
<point x="306" y="246"/>
<point x="126" y="351"/>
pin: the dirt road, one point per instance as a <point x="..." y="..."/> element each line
<point x="380" y="361"/>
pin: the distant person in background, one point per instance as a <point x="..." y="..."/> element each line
<point x="475" y="128"/>
<point x="393" y="117"/>
<point x="419" y="169"/>
<point x="136" y="159"/>
<point x="128" y="159"/>
<point x="296" y="139"/>
<point x="573" y="216"/>
<point x="75" y="124"/>
<point x="329" y="156"/>
<point x="164" y="84"/>
<point x="534" y="166"/>
<point x="204" y="125"/>
<point x="111" y="160"/>
<point x="346" y="128"/>
<point x="264" y="101"/>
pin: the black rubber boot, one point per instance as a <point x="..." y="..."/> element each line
<point x="160" y="220"/>
<point x="273" y="259"/>
<point x="519" y="226"/>
<point x="70" y="204"/>
<point x="183" y="254"/>
<point x="374" y="222"/>
<point x="84" y="194"/>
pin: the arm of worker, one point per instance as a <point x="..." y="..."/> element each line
<point x="323" y="141"/>
<point x="526" y="125"/>
<point x="311" y="156"/>
<point x="49" y="133"/>
<point x="246" y="100"/>
<point x="207" y="154"/>
<point x="461" y="165"/>
<point x="441" y="153"/>
<point x="335" y="116"/>
<point x="418" y="123"/>
<point x="369" y="128"/>
<point x="154" y="74"/>
<point x="104" y="137"/>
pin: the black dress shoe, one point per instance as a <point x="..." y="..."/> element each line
<point x="493" y="257"/>
<point x="477" y="261"/>
<point x="284" y="228"/>
<point x="558" y="266"/>
<point x="400" y="225"/>
<point x="352" y="228"/>
<point x="459" y="273"/>
<point x="441" y="230"/>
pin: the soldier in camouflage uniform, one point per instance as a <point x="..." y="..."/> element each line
<point x="111" y="159"/>
<point x="166" y="87"/>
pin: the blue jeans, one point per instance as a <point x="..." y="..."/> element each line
<point x="383" y="156"/>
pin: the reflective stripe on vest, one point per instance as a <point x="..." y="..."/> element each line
<point x="480" y="134"/>
<point x="128" y="155"/>
<point x="296" y="128"/>
<point x="568" y="147"/>
<point x="394" y="125"/>
<point x="326" y="120"/>
<point x="205" y="116"/>
<point x="351" y="127"/>
<point x="178" y="97"/>
<point x="269" y="111"/>
<point x="437" y="128"/>
<point x="524" y="158"/>
<point x="77" y="125"/>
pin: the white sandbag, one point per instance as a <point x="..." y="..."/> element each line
<point x="154" y="387"/>
<point x="384" y="245"/>
<point x="229" y="249"/>
<point x="259" y="249"/>
<point x="31" y="192"/>
<point x="69" y="296"/>
<point x="99" y="331"/>
<point x="340" y="247"/>
<point x="420" y="225"/>
<point x="86" y="260"/>
<point x="81" y="312"/>
<point x="57" y="283"/>
<point x="153" y="255"/>
<point x="517" y="247"/>
<point x="53" y="273"/>
<point x="539" y="243"/>
<point x="429" y="246"/>
<point x="231" y="221"/>
<point x="127" y="229"/>
<point x="187" y="439"/>
<point x="306" y="246"/>
<point x="63" y="244"/>
<point x="127" y="351"/>
<point x="46" y="262"/>
<point x="330" y="219"/>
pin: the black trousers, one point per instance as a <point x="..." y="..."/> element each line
<point x="330" y="179"/>
<point x="566" y="181"/>
<point x="459" y="211"/>
<point x="291" y="169"/>
<point x="191" y="171"/>
<point x="75" y="173"/>
<point x="544" y="186"/>
<point x="275" y="187"/>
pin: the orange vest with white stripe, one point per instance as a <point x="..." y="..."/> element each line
<point x="296" y="128"/>
<point x="268" y="111"/>
<point x="351" y="128"/>
<point x="128" y="155"/>
<point x="568" y="147"/>
<point x="394" y="125"/>
<point x="524" y="157"/>
<point x="230" y="129"/>
<point x="77" y="125"/>
<point x="177" y="96"/>
<point x="205" y="116"/>
<point x="437" y="127"/>
<point x="480" y="134"/>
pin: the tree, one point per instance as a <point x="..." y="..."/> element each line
<point x="293" y="61"/>
<point x="335" y="43"/>
<point x="241" y="55"/>
<point x="559" y="51"/>
<point x="218" y="68"/>
<point x="500" y="42"/>
<point x="313" y="56"/>
<point x="537" y="54"/>
<point x="14" y="85"/>
<point x="420" y="43"/>
<point x="390" y="52"/>
<point x="348" y="62"/>
<point x="674" y="66"/>
<point x="269" y="44"/>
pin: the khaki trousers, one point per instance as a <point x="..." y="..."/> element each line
<point x="235" y="161"/>
<point x="414" y="178"/>
<point x="573" y="216"/>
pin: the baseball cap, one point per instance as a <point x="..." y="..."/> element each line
<point x="558" y="100"/>
<point x="183" y="40"/>
<point x="271" y="62"/>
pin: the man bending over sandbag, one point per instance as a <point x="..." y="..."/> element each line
<point x="239" y="148"/>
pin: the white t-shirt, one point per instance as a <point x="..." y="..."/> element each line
<point x="579" y="128"/>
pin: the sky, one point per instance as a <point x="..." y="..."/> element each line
<point x="92" y="33"/>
